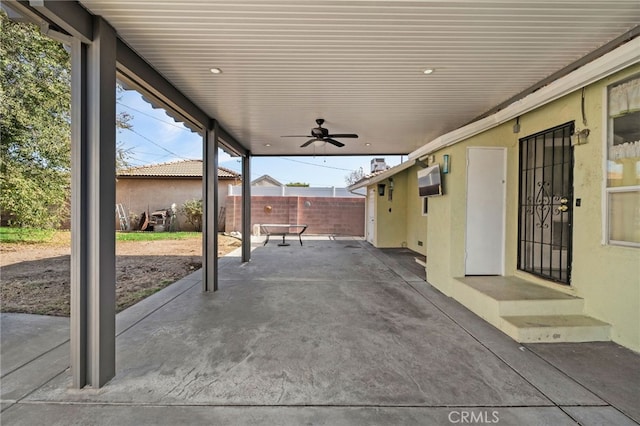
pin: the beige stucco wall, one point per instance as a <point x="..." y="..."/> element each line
<point x="399" y="222"/>
<point x="447" y="214"/>
<point x="138" y="194"/>
<point x="607" y="277"/>
<point x="416" y="221"/>
<point x="391" y="224"/>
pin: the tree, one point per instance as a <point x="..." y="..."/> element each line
<point x="123" y="122"/>
<point x="354" y="176"/>
<point x="35" y="126"/>
<point x="123" y="155"/>
<point x="298" y="184"/>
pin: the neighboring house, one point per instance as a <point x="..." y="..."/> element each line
<point x="538" y="227"/>
<point x="158" y="186"/>
<point x="265" y="180"/>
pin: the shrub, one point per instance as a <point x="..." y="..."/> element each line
<point x="193" y="211"/>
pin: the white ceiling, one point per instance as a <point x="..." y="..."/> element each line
<point x="359" y="64"/>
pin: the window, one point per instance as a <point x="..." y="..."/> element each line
<point x="622" y="192"/>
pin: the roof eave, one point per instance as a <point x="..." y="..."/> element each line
<point x="610" y="63"/>
<point x="602" y="67"/>
<point x="382" y="176"/>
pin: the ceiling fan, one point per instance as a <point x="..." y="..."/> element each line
<point x="321" y="134"/>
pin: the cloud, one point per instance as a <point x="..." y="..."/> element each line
<point x="223" y="157"/>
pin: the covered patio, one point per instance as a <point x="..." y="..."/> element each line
<point x="333" y="332"/>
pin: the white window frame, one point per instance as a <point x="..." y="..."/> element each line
<point x="606" y="190"/>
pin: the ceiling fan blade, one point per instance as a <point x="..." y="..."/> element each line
<point x="334" y="142"/>
<point x="343" y="135"/>
<point x="295" y="136"/>
<point x="309" y="142"/>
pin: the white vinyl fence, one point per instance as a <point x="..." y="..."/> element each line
<point x="297" y="191"/>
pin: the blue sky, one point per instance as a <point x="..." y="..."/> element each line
<point x="157" y="138"/>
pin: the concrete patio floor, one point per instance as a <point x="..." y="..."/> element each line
<point x="334" y="332"/>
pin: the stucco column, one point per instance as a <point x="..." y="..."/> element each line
<point x="246" y="207"/>
<point x="210" y="206"/>
<point x="93" y="278"/>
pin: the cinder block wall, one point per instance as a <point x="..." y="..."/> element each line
<point x="323" y="215"/>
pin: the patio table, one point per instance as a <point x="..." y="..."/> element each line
<point x="284" y="230"/>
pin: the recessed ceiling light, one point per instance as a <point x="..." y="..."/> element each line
<point x="216" y="70"/>
<point x="267" y="144"/>
<point x="367" y="144"/>
<point x="428" y="71"/>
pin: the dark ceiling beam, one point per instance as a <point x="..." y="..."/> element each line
<point x="136" y="72"/>
<point x="139" y="74"/>
<point x="229" y="142"/>
<point x="132" y="69"/>
<point x="67" y="15"/>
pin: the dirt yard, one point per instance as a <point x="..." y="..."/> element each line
<point x="35" y="277"/>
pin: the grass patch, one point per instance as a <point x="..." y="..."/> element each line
<point x="155" y="236"/>
<point x="47" y="236"/>
<point x="26" y="235"/>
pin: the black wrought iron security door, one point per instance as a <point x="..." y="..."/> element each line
<point x="545" y="206"/>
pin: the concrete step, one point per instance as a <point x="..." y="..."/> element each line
<point x="555" y="328"/>
<point x="492" y="297"/>
<point x="528" y="312"/>
<point x="571" y="306"/>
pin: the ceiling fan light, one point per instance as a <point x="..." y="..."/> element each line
<point x="319" y="142"/>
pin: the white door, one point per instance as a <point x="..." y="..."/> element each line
<point x="486" y="182"/>
<point x="371" y="215"/>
